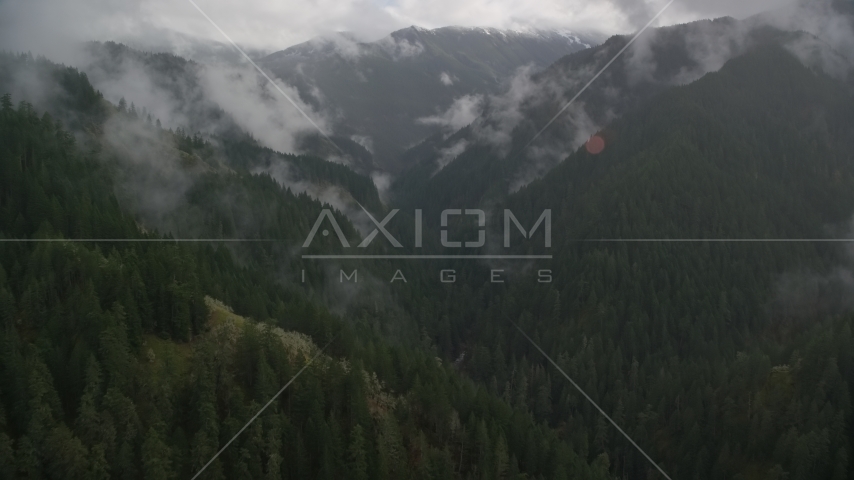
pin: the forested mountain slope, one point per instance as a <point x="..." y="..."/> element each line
<point x="492" y="156"/>
<point x="722" y="359"/>
<point x="226" y="100"/>
<point x="722" y="354"/>
<point x="116" y="362"/>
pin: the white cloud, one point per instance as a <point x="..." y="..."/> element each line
<point x="259" y="108"/>
<point x="447" y="155"/>
<point x="400" y="48"/>
<point x="462" y="112"/>
<point x="46" y="26"/>
<point x="338" y="198"/>
<point x="504" y="112"/>
<point x="446" y="79"/>
<point x="346" y="46"/>
<point x="365" y="141"/>
<point x="382" y="181"/>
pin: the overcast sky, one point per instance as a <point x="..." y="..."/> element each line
<point x="48" y="26"/>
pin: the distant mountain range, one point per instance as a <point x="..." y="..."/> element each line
<point x="379" y="90"/>
<point x="492" y="156"/>
<point x="691" y="274"/>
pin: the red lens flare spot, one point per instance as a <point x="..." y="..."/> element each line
<point x="595" y="145"/>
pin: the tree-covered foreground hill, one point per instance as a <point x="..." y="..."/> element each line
<point x="136" y="358"/>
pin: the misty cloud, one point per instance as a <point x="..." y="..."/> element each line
<point x="334" y="196"/>
<point x="832" y="49"/>
<point x="447" y="155"/>
<point x="461" y="113"/>
<point x="708" y="45"/>
<point x="383" y="183"/>
<point x="27" y="82"/>
<point x="365" y="141"/>
<point x="259" y="108"/>
<point x="503" y="113"/>
<point x="345" y="45"/>
<point x="400" y="48"/>
<point x="153" y="176"/>
<point x="810" y="294"/>
<point x="572" y="133"/>
<point x="193" y="96"/>
<point x="49" y="26"/>
<point x="167" y="99"/>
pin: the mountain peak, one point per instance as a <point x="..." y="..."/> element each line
<point x="461" y="33"/>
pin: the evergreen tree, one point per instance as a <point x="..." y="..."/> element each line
<point x="358" y="461"/>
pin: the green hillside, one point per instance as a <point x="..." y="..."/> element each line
<point x="154" y="294"/>
<point x="118" y="363"/>
<point x="703" y="351"/>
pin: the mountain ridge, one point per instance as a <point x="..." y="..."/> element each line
<point x="379" y="90"/>
<point x="665" y="57"/>
<point x="584" y="39"/>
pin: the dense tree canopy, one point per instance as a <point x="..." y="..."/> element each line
<point x="141" y="358"/>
